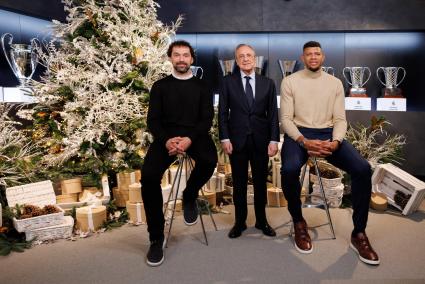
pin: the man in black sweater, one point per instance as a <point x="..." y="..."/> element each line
<point x="179" y="118"/>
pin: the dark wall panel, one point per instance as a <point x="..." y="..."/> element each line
<point x="46" y="9"/>
<point x="295" y="15"/>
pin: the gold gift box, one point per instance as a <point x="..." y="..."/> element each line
<point x="136" y="212"/>
<point x="121" y="196"/>
<point x="90" y="218"/>
<point x="67" y="198"/>
<point x="135" y="193"/>
<point x="69" y="186"/>
<point x="124" y="179"/>
<point x="210" y="196"/>
<point x="275" y="197"/>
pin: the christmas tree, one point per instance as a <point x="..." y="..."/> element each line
<point x="18" y="156"/>
<point x="92" y="101"/>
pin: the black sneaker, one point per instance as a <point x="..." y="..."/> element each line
<point x="190" y="213"/>
<point x="155" y="256"/>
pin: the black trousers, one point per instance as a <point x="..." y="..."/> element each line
<point x="346" y="157"/>
<point x="259" y="168"/>
<point x="156" y="162"/>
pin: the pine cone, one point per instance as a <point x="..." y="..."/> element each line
<point x="50" y="209"/>
<point x="37" y="212"/>
<point x="29" y="209"/>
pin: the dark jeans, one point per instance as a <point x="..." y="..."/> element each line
<point x="259" y="167"/>
<point x="156" y="162"/>
<point x="346" y="157"/>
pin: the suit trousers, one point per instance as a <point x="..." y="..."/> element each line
<point x="259" y="168"/>
<point x="156" y="162"/>
<point x="346" y="157"/>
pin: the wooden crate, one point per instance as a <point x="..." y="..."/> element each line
<point x="404" y="191"/>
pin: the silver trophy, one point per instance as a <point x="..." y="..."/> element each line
<point x="357" y="81"/>
<point x="227" y="66"/>
<point x="329" y="70"/>
<point x="287" y="67"/>
<point x="21" y="58"/>
<point x="391" y="85"/>
<point x="259" y="64"/>
<point x="195" y="70"/>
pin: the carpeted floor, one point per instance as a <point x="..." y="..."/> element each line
<point x="119" y="256"/>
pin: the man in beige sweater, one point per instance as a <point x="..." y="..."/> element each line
<point x="314" y="123"/>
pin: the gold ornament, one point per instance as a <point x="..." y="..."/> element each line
<point x="137" y="56"/>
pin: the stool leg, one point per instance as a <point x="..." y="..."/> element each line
<point x="325" y="201"/>
<point x="202" y="221"/>
<point x="178" y="176"/>
<point x="208" y="207"/>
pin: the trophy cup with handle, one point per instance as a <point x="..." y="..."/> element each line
<point x="227" y="66"/>
<point x="259" y="64"/>
<point x="329" y="70"/>
<point x="195" y="70"/>
<point x="21" y="58"/>
<point x="287" y="67"/>
<point x="391" y="89"/>
<point x="357" y="75"/>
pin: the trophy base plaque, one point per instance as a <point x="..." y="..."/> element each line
<point x="392" y="93"/>
<point x="391" y="104"/>
<point x="358" y="93"/>
<point x="16" y="95"/>
<point x="358" y="103"/>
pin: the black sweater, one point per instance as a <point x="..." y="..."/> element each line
<point x="179" y="108"/>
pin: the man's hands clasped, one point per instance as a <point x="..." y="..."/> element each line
<point x="178" y="145"/>
<point x="320" y="148"/>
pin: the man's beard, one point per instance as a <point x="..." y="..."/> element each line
<point x="314" y="69"/>
<point x="181" y="69"/>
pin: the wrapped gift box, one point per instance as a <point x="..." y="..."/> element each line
<point x="166" y="190"/>
<point x="165" y="178"/>
<point x="121" y="196"/>
<point x="178" y="211"/>
<point x="66" y="198"/>
<point x="136" y="212"/>
<point x="124" y="179"/>
<point x="275" y="197"/>
<point x="210" y="196"/>
<point x="135" y="193"/>
<point x="90" y="218"/>
<point x="69" y="186"/>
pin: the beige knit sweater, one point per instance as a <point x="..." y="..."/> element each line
<point x="313" y="100"/>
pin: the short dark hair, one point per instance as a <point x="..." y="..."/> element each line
<point x="180" y="43"/>
<point x="311" y="44"/>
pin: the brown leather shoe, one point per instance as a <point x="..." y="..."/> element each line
<point x="302" y="238"/>
<point x="360" y="244"/>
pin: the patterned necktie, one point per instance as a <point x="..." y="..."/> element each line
<point x="248" y="91"/>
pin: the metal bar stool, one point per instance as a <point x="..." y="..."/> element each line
<point x="185" y="161"/>
<point x="322" y="205"/>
